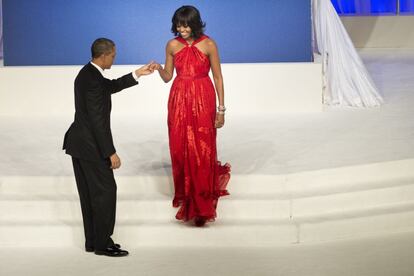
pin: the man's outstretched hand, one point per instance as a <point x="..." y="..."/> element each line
<point x="145" y="70"/>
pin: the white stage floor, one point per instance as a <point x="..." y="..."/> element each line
<point x="376" y="256"/>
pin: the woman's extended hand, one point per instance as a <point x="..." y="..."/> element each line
<point x="155" y="66"/>
<point x="144" y="70"/>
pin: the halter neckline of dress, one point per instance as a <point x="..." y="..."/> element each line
<point x="185" y="42"/>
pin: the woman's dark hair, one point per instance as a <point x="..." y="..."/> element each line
<point x="188" y="16"/>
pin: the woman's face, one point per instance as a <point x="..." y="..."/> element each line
<point x="184" y="31"/>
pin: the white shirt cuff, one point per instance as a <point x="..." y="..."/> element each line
<point x="135" y="75"/>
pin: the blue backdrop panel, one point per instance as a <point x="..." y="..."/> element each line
<point x="365" y="7"/>
<point x="407" y="6"/>
<point x="60" y="32"/>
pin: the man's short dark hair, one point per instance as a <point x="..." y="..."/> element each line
<point x="102" y="46"/>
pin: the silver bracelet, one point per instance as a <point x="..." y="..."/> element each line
<point x="221" y="108"/>
<point x="221" y="112"/>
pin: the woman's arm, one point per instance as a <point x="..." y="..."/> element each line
<point x="218" y="80"/>
<point x="166" y="73"/>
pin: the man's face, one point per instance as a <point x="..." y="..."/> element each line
<point x="109" y="59"/>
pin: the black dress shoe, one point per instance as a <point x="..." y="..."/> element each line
<point x="112" y="251"/>
<point x="92" y="249"/>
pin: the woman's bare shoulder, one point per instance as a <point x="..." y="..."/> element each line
<point x="211" y="44"/>
<point x="173" y="45"/>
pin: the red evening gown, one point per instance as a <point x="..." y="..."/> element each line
<point x="199" y="179"/>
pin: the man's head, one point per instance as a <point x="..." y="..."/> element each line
<point x="103" y="52"/>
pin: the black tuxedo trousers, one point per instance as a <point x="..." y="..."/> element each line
<point x="97" y="192"/>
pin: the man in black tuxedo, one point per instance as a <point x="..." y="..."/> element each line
<point x="89" y="142"/>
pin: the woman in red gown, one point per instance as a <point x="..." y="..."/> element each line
<point x="199" y="179"/>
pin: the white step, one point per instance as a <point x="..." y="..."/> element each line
<point x="352" y="201"/>
<point x="253" y="207"/>
<point x="352" y="226"/>
<point x="286" y="186"/>
<point x="159" y="208"/>
<point x="223" y="232"/>
<point x="152" y="233"/>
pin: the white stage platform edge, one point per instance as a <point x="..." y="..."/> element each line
<point x="249" y="88"/>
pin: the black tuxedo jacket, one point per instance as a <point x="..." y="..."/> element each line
<point x="89" y="137"/>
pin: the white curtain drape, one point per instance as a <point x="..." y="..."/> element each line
<point x="346" y="80"/>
